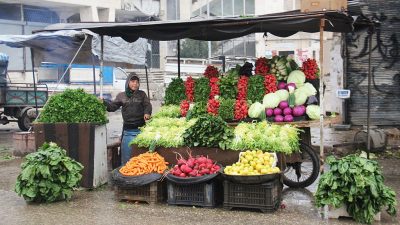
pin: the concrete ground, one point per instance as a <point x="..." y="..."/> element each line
<point x="99" y="206"/>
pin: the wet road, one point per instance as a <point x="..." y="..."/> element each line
<point x="100" y="207"/>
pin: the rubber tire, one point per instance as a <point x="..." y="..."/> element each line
<point x="315" y="172"/>
<point x="23" y="123"/>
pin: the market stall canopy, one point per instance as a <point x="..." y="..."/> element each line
<point x="279" y="24"/>
<point x="61" y="46"/>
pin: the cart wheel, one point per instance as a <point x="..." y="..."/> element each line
<point x="304" y="173"/>
<point x="24" y="122"/>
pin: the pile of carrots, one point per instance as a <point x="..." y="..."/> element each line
<point x="149" y="162"/>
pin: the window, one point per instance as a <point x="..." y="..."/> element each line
<point x="10" y="12"/>
<point x="286" y="53"/>
<point x="173" y="10"/>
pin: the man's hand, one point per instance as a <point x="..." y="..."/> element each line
<point x="146" y="116"/>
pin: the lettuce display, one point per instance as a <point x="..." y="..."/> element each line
<point x="163" y="132"/>
<point x="266" y="137"/>
<point x="169" y="111"/>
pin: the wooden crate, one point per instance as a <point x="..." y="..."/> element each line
<point x="322" y="5"/>
<point x="84" y="142"/>
<point x="151" y="193"/>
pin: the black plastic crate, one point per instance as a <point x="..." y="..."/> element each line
<point x="265" y="197"/>
<point x="206" y="194"/>
<point x="151" y="193"/>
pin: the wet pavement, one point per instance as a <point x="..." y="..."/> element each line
<point x="100" y="207"/>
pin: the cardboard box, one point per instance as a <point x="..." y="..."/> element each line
<point x="323" y="5"/>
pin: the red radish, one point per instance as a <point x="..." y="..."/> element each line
<point x="182" y="175"/>
<point x="209" y="161"/>
<point x="202" y="159"/>
<point x="277" y="111"/>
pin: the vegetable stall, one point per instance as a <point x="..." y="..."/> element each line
<point x="236" y="124"/>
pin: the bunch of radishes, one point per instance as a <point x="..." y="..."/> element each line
<point x="184" y="107"/>
<point x="189" y="88"/>
<point x="194" y="166"/>
<point x="214" y="88"/>
<point x="213" y="106"/>
<point x="310" y="69"/>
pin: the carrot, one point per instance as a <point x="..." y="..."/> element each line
<point x="149" y="162"/>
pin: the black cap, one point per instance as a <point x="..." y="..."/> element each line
<point x="134" y="77"/>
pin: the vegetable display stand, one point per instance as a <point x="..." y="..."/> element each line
<point x="84" y="142"/>
<point x="223" y="157"/>
<point x="205" y="194"/>
<point x="151" y="193"/>
<point x="265" y="197"/>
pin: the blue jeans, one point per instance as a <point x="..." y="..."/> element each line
<point x="126" y="150"/>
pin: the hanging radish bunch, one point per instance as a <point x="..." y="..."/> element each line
<point x="189" y="88"/>
<point x="212" y="107"/>
<point x="211" y="71"/>
<point x="184" y="107"/>
<point x="270" y="83"/>
<point x="262" y="67"/>
<point x="310" y="69"/>
<point x="194" y="166"/>
<point x="242" y="88"/>
<point x="214" y="88"/>
<point x="241" y="109"/>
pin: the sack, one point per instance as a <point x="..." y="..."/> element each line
<point x="133" y="181"/>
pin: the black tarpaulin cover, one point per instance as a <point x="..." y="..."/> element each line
<point x="280" y="24"/>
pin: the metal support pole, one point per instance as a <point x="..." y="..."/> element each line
<point x="179" y="58"/>
<point x="321" y="93"/>
<point x="209" y="42"/>
<point x="101" y="65"/>
<point x="94" y="75"/>
<point x="34" y="81"/>
<point x="370" y="32"/>
<point x="147" y="82"/>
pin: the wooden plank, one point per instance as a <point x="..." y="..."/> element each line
<point x="62" y="135"/>
<point x="39" y="134"/>
<point x="83" y="154"/>
<point x="328" y="121"/>
<point x="73" y="141"/>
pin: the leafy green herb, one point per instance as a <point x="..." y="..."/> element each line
<point x="255" y="89"/>
<point x="201" y="89"/>
<point x="208" y="131"/>
<point x="228" y="86"/>
<point x="226" y="109"/>
<point x="175" y="92"/>
<point x="199" y="109"/>
<point x="48" y="175"/>
<point x="73" y="106"/>
<point x="359" y="184"/>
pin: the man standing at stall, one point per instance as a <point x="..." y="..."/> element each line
<point x="136" y="109"/>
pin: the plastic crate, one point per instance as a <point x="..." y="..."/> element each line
<point x="205" y="194"/>
<point x="151" y="193"/>
<point x="265" y="197"/>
